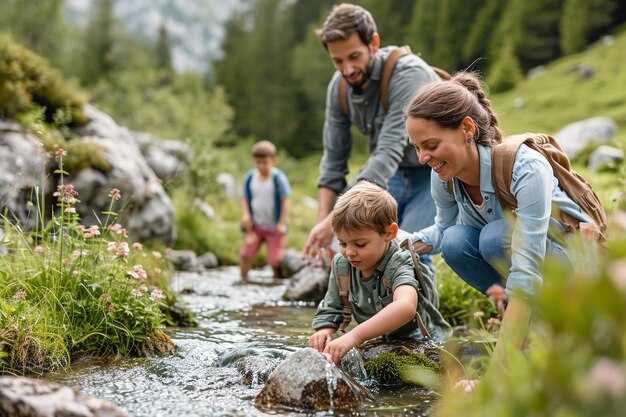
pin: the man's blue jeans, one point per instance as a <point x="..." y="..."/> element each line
<point x="416" y="208"/>
<point x="476" y="255"/>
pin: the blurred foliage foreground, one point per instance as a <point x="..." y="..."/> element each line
<point x="575" y="360"/>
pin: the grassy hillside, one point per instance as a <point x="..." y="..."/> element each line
<point x="560" y="96"/>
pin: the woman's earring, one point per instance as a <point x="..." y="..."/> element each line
<point x="469" y="140"/>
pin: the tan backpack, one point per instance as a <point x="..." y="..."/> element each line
<point x="576" y="187"/>
<point x="395" y="54"/>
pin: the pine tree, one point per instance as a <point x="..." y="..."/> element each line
<point x="583" y="20"/>
<point x="164" y="50"/>
<point x="99" y="43"/>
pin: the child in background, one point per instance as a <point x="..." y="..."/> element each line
<point x="265" y="207"/>
<point x="383" y="285"/>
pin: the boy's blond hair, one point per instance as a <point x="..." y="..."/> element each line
<point x="263" y="148"/>
<point x="364" y="206"/>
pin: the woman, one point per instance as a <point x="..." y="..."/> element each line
<point x="453" y="127"/>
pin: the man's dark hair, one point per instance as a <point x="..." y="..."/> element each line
<point x="344" y="20"/>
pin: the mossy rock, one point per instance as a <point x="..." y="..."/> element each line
<point x="386" y="361"/>
<point x="26" y="80"/>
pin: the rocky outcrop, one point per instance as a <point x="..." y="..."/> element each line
<point x="306" y="381"/>
<point x="145" y="209"/>
<point x="25" y="397"/>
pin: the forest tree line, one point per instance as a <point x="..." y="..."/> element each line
<point x="271" y="80"/>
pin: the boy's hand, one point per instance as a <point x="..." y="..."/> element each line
<point x="339" y="347"/>
<point x="321" y="338"/>
<point x="281" y="228"/>
<point x="246" y="223"/>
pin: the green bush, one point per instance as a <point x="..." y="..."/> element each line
<point x="26" y="80"/>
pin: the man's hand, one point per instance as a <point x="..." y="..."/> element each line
<point x="318" y="241"/>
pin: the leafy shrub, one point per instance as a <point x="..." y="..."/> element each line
<point x="26" y="79"/>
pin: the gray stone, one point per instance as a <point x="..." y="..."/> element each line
<point x="574" y="137"/>
<point x="228" y="184"/>
<point x="184" y="260"/>
<point x="604" y="156"/>
<point x="208" y="260"/>
<point x="26" y="397"/>
<point x="308" y="284"/>
<point x="205" y="208"/>
<point x="290" y="263"/>
<point x="307" y="381"/>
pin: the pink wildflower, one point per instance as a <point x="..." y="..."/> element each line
<point x="138" y="273"/>
<point x="136" y="292"/>
<point x="66" y="261"/>
<point x="137" y="246"/>
<point x="123" y="250"/>
<point x="617" y="273"/>
<point x="70" y="209"/>
<point x="112" y="247"/>
<point x="494" y="321"/>
<point x="39" y="249"/>
<point x="115" y="227"/>
<point x="61" y="152"/>
<point x="157" y="295"/>
<point x="111" y="308"/>
<point x="79" y="253"/>
<point x="115" y="194"/>
<point x="20" y="294"/>
<point x="608" y="376"/>
<point x="66" y="193"/>
<point x="157" y="255"/>
<point x="104" y="297"/>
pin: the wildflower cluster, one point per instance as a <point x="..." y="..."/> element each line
<point x="83" y="283"/>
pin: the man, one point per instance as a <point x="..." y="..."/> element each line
<point x="350" y="38"/>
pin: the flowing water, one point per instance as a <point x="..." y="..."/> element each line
<point x="243" y="333"/>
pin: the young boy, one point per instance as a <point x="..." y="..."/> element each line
<point x="383" y="286"/>
<point x="265" y="206"/>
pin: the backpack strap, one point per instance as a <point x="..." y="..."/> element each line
<point x="342" y="275"/>
<point x="502" y="160"/>
<point x="420" y="279"/>
<point x="390" y="63"/>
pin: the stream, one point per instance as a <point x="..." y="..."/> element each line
<point x="243" y="333"/>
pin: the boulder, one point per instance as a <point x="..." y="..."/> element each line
<point x="604" y="156"/>
<point x="307" y="381"/>
<point x="290" y="263"/>
<point x="574" y="137"/>
<point x="26" y="397"/>
<point x="308" y="284"/>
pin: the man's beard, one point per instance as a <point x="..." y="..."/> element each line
<point x="357" y="87"/>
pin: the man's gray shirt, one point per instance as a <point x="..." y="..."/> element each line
<point x="388" y="142"/>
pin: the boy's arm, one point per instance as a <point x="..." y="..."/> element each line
<point x="281" y="227"/>
<point x="399" y="312"/>
<point x="246" y="218"/>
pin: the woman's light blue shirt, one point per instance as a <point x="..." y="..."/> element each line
<point x="536" y="190"/>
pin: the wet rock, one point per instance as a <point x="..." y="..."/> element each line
<point x="25" y="397"/>
<point x="184" y="260"/>
<point x="208" y="260"/>
<point x="305" y="380"/>
<point x="384" y="359"/>
<point x="291" y="263"/>
<point x="308" y="284"/>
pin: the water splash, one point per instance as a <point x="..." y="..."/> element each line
<point x="353" y="364"/>
<point x="331" y="382"/>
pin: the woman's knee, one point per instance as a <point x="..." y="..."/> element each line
<point x="457" y="241"/>
<point x="495" y="240"/>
